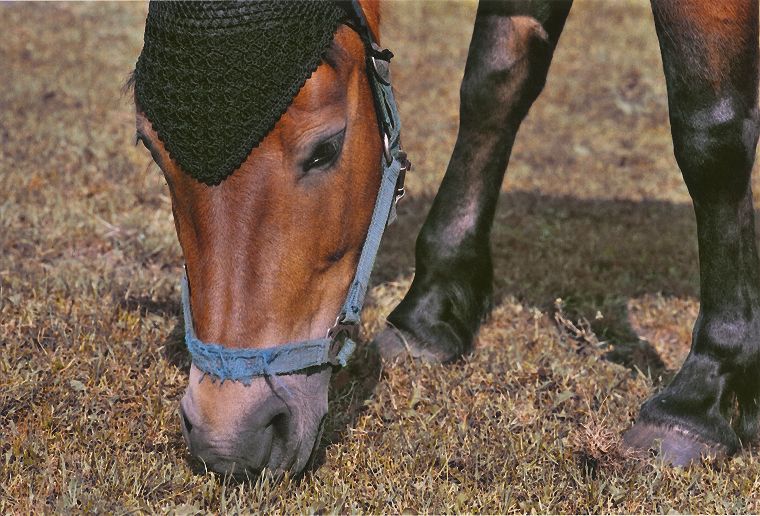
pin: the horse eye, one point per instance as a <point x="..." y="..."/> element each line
<point x="324" y="154"/>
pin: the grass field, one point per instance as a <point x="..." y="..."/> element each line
<point x="596" y="287"/>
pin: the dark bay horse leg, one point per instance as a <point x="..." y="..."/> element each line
<point x="509" y="56"/>
<point x="710" y="53"/>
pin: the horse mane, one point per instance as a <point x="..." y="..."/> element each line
<point x="128" y="88"/>
<point x="372" y="13"/>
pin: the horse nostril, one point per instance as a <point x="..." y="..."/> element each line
<point x="278" y="426"/>
<point x="187" y="423"/>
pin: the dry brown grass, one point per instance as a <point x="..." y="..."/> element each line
<point x="593" y="212"/>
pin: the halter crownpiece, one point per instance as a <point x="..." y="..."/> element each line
<point x="336" y="347"/>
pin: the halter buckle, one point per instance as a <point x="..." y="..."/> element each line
<point x="341" y="327"/>
<point x="406" y="166"/>
<point x="387" y="149"/>
<point x="381" y="66"/>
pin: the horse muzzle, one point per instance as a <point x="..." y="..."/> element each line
<point x="275" y="423"/>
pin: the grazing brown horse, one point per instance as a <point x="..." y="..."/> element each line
<point x="271" y="249"/>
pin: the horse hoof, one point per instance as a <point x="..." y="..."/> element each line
<point x="675" y="446"/>
<point x="392" y="343"/>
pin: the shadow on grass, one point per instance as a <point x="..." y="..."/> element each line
<point x="594" y="254"/>
<point x="147" y="305"/>
<point x="174" y="348"/>
<point x="350" y="389"/>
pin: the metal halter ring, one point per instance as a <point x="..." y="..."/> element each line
<point x="381" y="66"/>
<point x="387" y="148"/>
<point x="406" y="166"/>
<point x="340" y="327"/>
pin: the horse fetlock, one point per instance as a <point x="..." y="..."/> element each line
<point x="441" y="313"/>
<point x="444" y="346"/>
<point x="733" y="340"/>
<point x="698" y="401"/>
<point x="717" y="378"/>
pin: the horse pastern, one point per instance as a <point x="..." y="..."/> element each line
<point x="393" y="343"/>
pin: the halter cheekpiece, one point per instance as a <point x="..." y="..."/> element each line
<point x="338" y="344"/>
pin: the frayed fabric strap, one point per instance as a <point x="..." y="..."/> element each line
<point x="244" y="364"/>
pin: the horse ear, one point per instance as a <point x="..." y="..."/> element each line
<point x="371" y="10"/>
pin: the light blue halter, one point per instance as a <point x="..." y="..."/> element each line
<point x="337" y="346"/>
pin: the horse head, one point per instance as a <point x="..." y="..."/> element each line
<point x="271" y="250"/>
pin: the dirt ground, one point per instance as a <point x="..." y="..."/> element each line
<point x="596" y="291"/>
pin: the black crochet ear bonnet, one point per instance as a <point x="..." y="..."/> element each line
<point x="214" y="77"/>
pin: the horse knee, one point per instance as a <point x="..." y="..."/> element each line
<point x="505" y="72"/>
<point x="715" y="147"/>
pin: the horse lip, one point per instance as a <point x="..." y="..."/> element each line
<point x="187" y="413"/>
<point x="277" y="437"/>
<point x="317" y="441"/>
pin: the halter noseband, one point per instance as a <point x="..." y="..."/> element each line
<point x="337" y="346"/>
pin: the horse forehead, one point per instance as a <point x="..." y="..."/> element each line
<point x="326" y="86"/>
